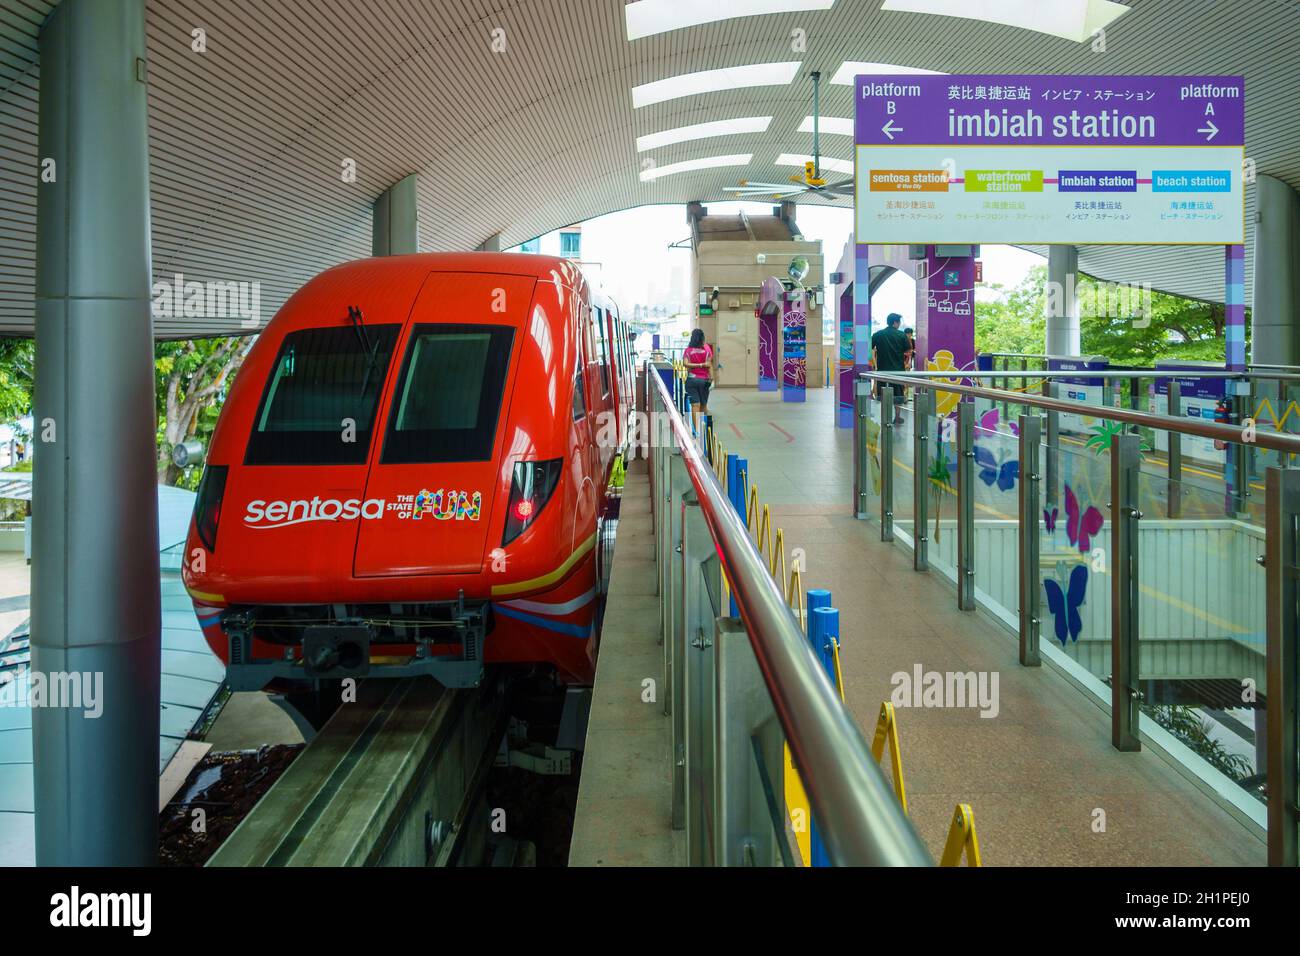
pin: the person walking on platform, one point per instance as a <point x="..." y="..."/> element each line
<point x="889" y="348"/>
<point x="698" y="359"/>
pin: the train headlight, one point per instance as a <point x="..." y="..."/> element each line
<point x="207" y="504"/>
<point x="533" y="484"/>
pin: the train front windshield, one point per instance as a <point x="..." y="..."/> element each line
<point x="323" y="379"/>
<point x="449" y="394"/>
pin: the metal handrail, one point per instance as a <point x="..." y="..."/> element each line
<point x="1109" y="373"/>
<point x="1277" y="441"/>
<point x="857" y="816"/>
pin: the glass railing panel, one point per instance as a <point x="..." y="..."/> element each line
<point x="871" y="485"/>
<point x="904" y="468"/>
<point x="941" y="484"/>
<point x="1073" y="563"/>
<point x="1201" y="626"/>
<point x="997" y="510"/>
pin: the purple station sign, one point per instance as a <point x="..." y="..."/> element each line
<point x="1050" y="159"/>
<point x="925" y="110"/>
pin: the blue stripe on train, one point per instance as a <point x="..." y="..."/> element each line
<point x="573" y="630"/>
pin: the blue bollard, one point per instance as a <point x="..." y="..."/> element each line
<point x="823" y="624"/>
<point x="817" y="597"/>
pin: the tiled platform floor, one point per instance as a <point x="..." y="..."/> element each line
<point x="1036" y="774"/>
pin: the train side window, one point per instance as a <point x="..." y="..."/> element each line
<point x="602" y="352"/>
<point x="322" y="379"/>
<point x="579" y="397"/>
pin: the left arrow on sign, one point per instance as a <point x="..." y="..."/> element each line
<point x="889" y="129"/>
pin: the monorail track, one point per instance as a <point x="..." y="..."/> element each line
<point x="393" y="779"/>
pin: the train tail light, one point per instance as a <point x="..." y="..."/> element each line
<point x="534" y="483"/>
<point x="207" y="506"/>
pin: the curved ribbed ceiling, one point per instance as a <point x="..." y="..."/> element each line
<point x="247" y="139"/>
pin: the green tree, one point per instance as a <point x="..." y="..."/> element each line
<point x="1129" y="329"/>
<point x="192" y="378"/>
<point x="17" y="367"/>
<point x="1012" y="319"/>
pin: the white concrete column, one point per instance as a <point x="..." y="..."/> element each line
<point x="395" y="228"/>
<point x="96" y="618"/>
<point x="1062" y="301"/>
<point x="1275" y="304"/>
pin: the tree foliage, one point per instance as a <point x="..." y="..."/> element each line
<point x="1167" y="327"/>
<point x="17" y="369"/>
<point x="193" y="377"/>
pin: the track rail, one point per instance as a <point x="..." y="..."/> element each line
<point x="393" y="779"/>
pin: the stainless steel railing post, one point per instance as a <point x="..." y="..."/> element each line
<point x="1240" y="489"/>
<point x="1175" y="492"/>
<point x="673" y="598"/>
<point x="1052" y="467"/>
<point x="966" y="506"/>
<point x="1125" y="470"/>
<point x="861" y="466"/>
<point x="1030" y="510"/>
<point x="1282" y="567"/>
<point x="888" y="416"/>
<point x="920" y="477"/>
<point x="698" y="713"/>
<point x="749" y="782"/>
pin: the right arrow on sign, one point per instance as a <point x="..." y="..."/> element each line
<point x="889" y="129"/>
<point x="1210" y="129"/>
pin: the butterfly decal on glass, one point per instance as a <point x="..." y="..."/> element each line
<point x="1081" y="526"/>
<point x="1049" y="519"/>
<point x="989" y="422"/>
<point x="1064" y="603"/>
<point x="991" y="470"/>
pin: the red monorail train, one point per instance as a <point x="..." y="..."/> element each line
<point x="410" y="475"/>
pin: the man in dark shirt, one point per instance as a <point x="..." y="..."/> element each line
<point x="889" y="348"/>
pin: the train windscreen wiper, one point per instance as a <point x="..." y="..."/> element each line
<point x="358" y="326"/>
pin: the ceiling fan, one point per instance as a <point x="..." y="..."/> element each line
<point x="811" y="182"/>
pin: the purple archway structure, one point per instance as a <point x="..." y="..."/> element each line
<point x="771" y="307"/>
<point x="945" y="317"/>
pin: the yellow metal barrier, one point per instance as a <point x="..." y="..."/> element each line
<point x="887" y="730"/>
<point x="839" y="674"/>
<point x="961" y="836"/>
<point x="795" y="590"/>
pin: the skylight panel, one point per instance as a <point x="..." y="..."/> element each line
<point x="690" y="165"/>
<point x="682" y="134"/>
<point x="1074" y="20"/>
<point x="829" y="125"/>
<point x="648" y="17"/>
<point x="710" y="81"/>
<point x="851" y="68"/>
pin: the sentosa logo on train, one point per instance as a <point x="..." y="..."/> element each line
<point x="441" y="505"/>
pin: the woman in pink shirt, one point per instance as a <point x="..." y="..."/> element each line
<point x="698" y="359"/>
